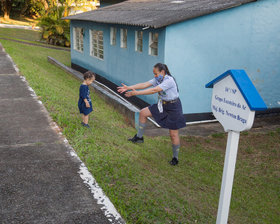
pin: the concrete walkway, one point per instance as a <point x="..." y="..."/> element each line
<point x="41" y="178"/>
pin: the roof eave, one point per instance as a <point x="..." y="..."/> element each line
<point x="116" y="23"/>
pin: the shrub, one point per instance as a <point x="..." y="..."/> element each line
<point x="55" y="30"/>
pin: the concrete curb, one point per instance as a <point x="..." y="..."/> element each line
<point x="130" y="111"/>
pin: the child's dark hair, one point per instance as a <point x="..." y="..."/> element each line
<point x="89" y="75"/>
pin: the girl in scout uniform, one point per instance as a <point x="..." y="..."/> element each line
<point x="167" y="112"/>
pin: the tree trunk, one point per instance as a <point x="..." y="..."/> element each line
<point x="6" y="15"/>
<point x="6" y="8"/>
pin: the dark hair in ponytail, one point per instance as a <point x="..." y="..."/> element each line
<point x="167" y="70"/>
<point x="164" y="67"/>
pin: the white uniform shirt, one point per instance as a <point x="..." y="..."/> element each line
<point x="168" y="86"/>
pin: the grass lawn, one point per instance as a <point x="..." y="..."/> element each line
<point x="27" y="36"/>
<point x="137" y="178"/>
<point x="21" y="34"/>
<point x="24" y="21"/>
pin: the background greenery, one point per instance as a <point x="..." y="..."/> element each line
<point x="47" y="14"/>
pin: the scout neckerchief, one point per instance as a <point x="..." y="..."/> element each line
<point x="159" y="105"/>
<point x="160" y="108"/>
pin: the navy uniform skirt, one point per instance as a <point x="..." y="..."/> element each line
<point x="172" y="116"/>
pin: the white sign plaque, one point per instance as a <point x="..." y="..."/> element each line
<point x="229" y="106"/>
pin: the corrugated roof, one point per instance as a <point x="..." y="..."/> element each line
<point x="156" y="13"/>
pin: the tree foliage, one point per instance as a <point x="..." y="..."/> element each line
<point x="49" y="12"/>
<point x="55" y="30"/>
<point x="38" y="8"/>
<point x="17" y="8"/>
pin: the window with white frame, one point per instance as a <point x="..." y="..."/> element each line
<point x="153" y="44"/>
<point x="79" y="39"/>
<point x="139" y="41"/>
<point x="96" y="44"/>
<point x="123" y="38"/>
<point x="113" y="35"/>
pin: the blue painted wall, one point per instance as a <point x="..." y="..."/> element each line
<point x="119" y="64"/>
<point x="245" y="37"/>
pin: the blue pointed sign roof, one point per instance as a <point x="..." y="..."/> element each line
<point x="246" y="87"/>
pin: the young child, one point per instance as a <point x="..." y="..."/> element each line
<point x="84" y="104"/>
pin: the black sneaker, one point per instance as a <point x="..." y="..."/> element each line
<point x="82" y="123"/>
<point x="174" y="161"/>
<point x="136" y="139"/>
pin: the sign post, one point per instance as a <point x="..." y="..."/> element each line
<point x="228" y="174"/>
<point x="234" y="102"/>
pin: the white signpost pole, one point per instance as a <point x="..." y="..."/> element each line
<point x="228" y="175"/>
<point x="234" y="101"/>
